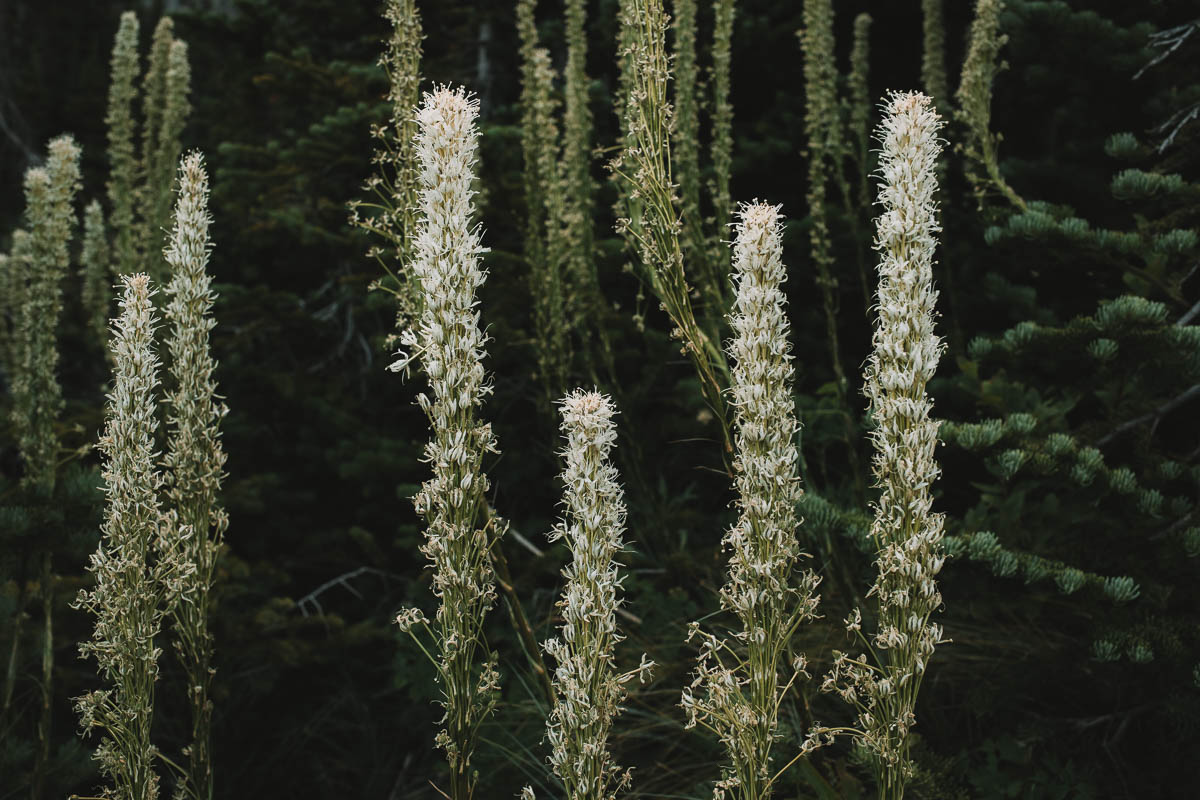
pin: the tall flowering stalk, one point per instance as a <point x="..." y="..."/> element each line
<point x="933" y="58"/>
<point x="588" y="689"/>
<point x="37" y="395"/>
<point x="13" y="276"/>
<point x="95" y="267"/>
<point x="823" y="128"/>
<point x="392" y="213"/>
<point x="134" y="567"/>
<point x="686" y="140"/>
<point x="451" y="346"/>
<point x="738" y="688"/>
<point x="155" y="196"/>
<point x="858" y="141"/>
<point x="579" y="189"/>
<point x="686" y="152"/>
<point x="122" y="158"/>
<point x="545" y="240"/>
<point x="655" y="227"/>
<point x="13" y="272"/>
<point x="906" y="532"/>
<point x="154" y="91"/>
<point x="194" y="458"/>
<point x="859" y="116"/>
<point x="979" y="70"/>
<point x="722" y="129"/>
<point x="160" y="175"/>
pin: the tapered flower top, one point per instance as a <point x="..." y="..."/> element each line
<point x="122" y="159"/>
<point x="194" y="454"/>
<point x="450" y="345"/>
<point x="37" y="396"/>
<point x="194" y="457"/>
<point x="906" y="532"/>
<point x="737" y="688"/>
<point x="136" y="570"/>
<point x="763" y="543"/>
<point x="588" y="689"/>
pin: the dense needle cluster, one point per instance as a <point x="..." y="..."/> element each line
<point x="738" y="687"/>
<point x="906" y="532"/>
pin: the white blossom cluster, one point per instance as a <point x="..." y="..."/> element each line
<point x="738" y="684"/>
<point x="450" y="344"/>
<point x="906" y="532"/>
<point x="136" y="568"/>
<point x="195" y="458"/>
<point x="588" y="689"/>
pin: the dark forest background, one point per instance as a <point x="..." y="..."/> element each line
<point x="1057" y="683"/>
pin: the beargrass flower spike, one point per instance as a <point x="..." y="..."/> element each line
<point x="36" y="392"/>
<point x="450" y="345"/>
<point x="655" y="229"/>
<point x="686" y="152"/>
<point x="155" y="198"/>
<point x="588" y="689"/>
<point x="546" y="242"/>
<point x="154" y="92"/>
<point x="12" y="294"/>
<point x="122" y="158"/>
<point x="37" y="396"/>
<point x="579" y="191"/>
<point x="95" y="269"/>
<point x="721" y="148"/>
<point x="933" y="57"/>
<point x="823" y="128"/>
<point x="979" y="71"/>
<point x="194" y="458"/>
<point x="133" y="588"/>
<point x="906" y="532"/>
<point x="859" y="116"/>
<point x="737" y="688"/>
<point x="392" y="210"/>
<point x="160" y="175"/>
